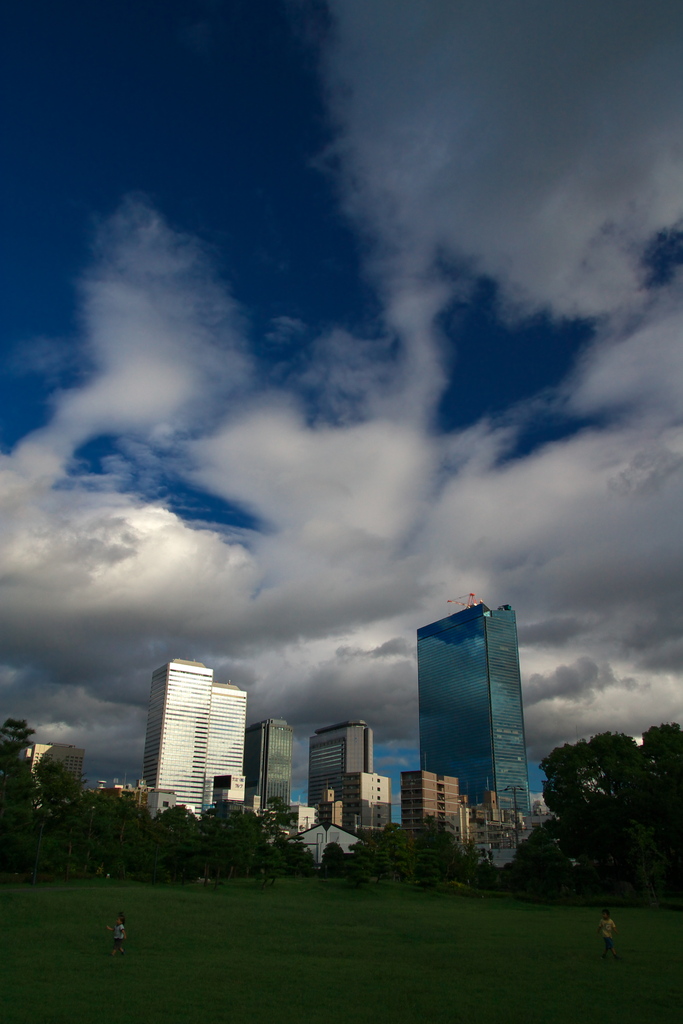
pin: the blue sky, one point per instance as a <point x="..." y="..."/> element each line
<point x="318" y="314"/>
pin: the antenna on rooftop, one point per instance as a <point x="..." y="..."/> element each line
<point x="466" y="600"/>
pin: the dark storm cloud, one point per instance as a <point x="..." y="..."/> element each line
<point x="579" y="681"/>
<point x="383" y="696"/>
<point x="556" y="631"/>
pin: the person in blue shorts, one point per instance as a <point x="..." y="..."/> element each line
<point x="606" y="928"/>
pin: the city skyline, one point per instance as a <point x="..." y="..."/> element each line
<point x="318" y="315"/>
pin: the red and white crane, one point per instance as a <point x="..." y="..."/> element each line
<point x="466" y="600"/>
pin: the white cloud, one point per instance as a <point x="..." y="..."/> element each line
<point x="536" y="143"/>
<point x="514" y="140"/>
<point x="162" y="339"/>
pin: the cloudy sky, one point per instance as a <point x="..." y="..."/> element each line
<point x="319" y="314"/>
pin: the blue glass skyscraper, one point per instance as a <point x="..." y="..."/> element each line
<point x="471" y="717"/>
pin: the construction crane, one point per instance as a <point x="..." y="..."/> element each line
<point x="467" y="600"/>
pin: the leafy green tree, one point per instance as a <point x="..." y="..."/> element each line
<point x="427" y="868"/>
<point x="662" y="805"/>
<point x="398" y="847"/>
<point x="464" y="863"/>
<point x="382" y="865"/>
<point x="179" y="831"/>
<point x="334" y="860"/>
<point x="585" y="879"/>
<point x="360" y="867"/>
<point x="278" y="818"/>
<point x="270" y="862"/>
<point x="596" y="788"/>
<point x="298" y="858"/>
<point x="276" y="855"/>
<point x="17" y="788"/>
<point x="57" y="801"/>
<point x="540" y="867"/>
<point x="453" y="860"/>
<point x="648" y="860"/>
<point x="487" y="875"/>
<point x="606" y="791"/>
<point x="243" y="836"/>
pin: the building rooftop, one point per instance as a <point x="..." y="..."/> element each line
<point x="340" y="725"/>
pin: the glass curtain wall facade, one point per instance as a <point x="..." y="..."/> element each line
<point x="195" y="730"/>
<point x="225" y="752"/>
<point x="470" y="697"/>
<point x="268" y="760"/>
<point x="334" y="750"/>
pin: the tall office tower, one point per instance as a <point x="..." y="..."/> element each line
<point x="334" y="750"/>
<point x="66" y="753"/>
<point x="195" y="731"/>
<point x="268" y="760"/>
<point x="471" y="718"/>
<point x="225" y="753"/>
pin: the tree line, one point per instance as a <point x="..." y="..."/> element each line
<point x="49" y="822"/>
<point x="617" y="825"/>
<point x="618" y="810"/>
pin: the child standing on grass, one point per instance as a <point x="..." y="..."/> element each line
<point x="119" y="935"/>
<point x="606" y="927"/>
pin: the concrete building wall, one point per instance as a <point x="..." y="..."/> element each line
<point x="334" y="750"/>
<point x="65" y="753"/>
<point x="366" y="800"/>
<point x="160" y="800"/>
<point x="428" y="795"/>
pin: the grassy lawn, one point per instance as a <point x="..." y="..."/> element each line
<point x="311" y="950"/>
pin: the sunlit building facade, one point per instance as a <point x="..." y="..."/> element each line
<point x="428" y="795"/>
<point x="366" y="800"/>
<point x="268" y="760"/>
<point x="66" y="754"/>
<point x="225" y="752"/>
<point x="471" y="716"/>
<point x="195" y="731"/>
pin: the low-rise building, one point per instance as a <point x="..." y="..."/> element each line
<point x="306" y="817"/>
<point x="428" y="795"/>
<point x="160" y="800"/>
<point x="65" y="753"/>
<point x="366" y="800"/>
<point x="330" y="808"/>
<point x="138" y="793"/>
<point x="318" y="838"/>
<point x="228" y="794"/>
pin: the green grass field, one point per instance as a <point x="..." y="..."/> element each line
<point x="320" y="951"/>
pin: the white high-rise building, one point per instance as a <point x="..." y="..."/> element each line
<point x="225" y="753"/>
<point x="195" y="730"/>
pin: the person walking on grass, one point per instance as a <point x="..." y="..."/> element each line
<point x="606" y="927"/>
<point x="119" y="931"/>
